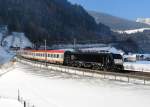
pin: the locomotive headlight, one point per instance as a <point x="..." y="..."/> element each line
<point x="118" y="61"/>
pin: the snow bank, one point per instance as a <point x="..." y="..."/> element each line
<point x="138" y="66"/>
<point x="133" y="31"/>
<point x="9" y="103"/>
<point x="4" y="56"/>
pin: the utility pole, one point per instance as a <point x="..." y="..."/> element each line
<point x="45" y="44"/>
<point x="45" y="53"/>
<point x="74" y="43"/>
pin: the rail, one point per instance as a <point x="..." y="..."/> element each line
<point x="116" y="76"/>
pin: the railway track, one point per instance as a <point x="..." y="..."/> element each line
<point x="128" y="73"/>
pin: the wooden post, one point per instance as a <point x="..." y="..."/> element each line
<point x="115" y="77"/>
<point x="144" y="82"/>
<point x="83" y="72"/>
<point x="18" y="95"/>
<point x="104" y="75"/>
<point x="128" y="79"/>
<point x="24" y="103"/>
<point x="45" y="53"/>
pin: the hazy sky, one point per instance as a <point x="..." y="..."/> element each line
<point x="130" y="9"/>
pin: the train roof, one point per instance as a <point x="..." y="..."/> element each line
<point x="50" y="51"/>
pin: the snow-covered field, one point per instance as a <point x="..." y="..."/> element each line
<point x="45" y="88"/>
<point x="138" y="66"/>
<point x="9" y="103"/>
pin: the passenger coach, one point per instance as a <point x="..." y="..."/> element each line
<point x="51" y="56"/>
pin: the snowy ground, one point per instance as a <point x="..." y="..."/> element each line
<point x="9" y="103"/>
<point x="54" y="89"/>
<point x="138" y="66"/>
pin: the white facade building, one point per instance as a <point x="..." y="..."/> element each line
<point x="143" y="20"/>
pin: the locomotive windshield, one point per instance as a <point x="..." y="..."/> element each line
<point x="118" y="59"/>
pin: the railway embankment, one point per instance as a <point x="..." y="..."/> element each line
<point x="130" y="77"/>
<point x="6" y="67"/>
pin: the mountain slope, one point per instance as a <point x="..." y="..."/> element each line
<point x="116" y="23"/>
<point x="54" y="20"/>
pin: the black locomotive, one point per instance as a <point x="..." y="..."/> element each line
<point x="98" y="61"/>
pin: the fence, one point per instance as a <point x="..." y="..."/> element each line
<point x="23" y="101"/>
<point x="130" y="78"/>
<point x="20" y="99"/>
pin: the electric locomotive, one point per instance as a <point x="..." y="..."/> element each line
<point x="99" y="61"/>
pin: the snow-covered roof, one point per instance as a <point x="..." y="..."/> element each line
<point x="104" y="49"/>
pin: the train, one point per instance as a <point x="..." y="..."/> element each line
<point x="91" y="60"/>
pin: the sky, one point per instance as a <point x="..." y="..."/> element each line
<point x="129" y="9"/>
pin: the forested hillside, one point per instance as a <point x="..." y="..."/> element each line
<point x="54" y="20"/>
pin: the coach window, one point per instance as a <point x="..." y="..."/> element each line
<point x="57" y="55"/>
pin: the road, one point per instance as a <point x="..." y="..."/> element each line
<point x="45" y="88"/>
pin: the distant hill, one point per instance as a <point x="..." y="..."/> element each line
<point x="116" y="23"/>
<point x="53" y="20"/>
